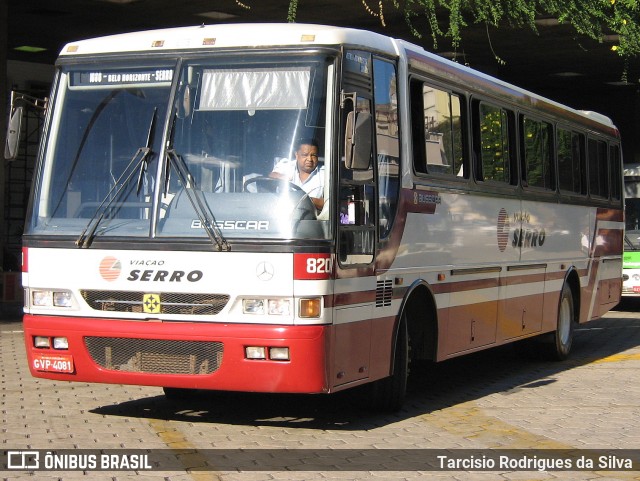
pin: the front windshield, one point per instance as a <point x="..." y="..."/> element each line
<point x="235" y="134"/>
<point x="103" y="119"/>
<point x="632" y="214"/>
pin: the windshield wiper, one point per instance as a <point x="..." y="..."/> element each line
<point x="137" y="163"/>
<point x="630" y="243"/>
<point x="196" y="197"/>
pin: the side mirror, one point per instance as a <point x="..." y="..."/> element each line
<point x="358" y="141"/>
<point x="13" y="135"/>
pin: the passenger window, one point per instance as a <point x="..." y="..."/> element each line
<point x="437" y="127"/>
<point x="571" y="162"/>
<point x="598" y="169"/>
<point x="538" y="163"/>
<point x="493" y="135"/>
<point x="616" y="172"/>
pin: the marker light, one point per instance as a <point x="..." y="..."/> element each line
<point x="279" y="353"/>
<point x="255" y="352"/>
<point x="310" y="307"/>
<point x="60" y="343"/>
<point x="41" y="342"/>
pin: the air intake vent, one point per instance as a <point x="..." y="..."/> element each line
<point x="384" y="293"/>
<point x="156" y="356"/>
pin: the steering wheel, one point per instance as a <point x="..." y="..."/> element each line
<point x="270" y="184"/>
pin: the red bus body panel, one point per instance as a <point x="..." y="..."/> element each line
<point x="305" y="372"/>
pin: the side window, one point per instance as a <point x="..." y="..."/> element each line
<point x="357" y="186"/>
<point x="598" y="169"/>
<point x="571" y="162"/>
<point x="492" y="134"/>
<point x="387" y="141"/>
<point x="536" y="147"/>
<point x="437" y="128"/>
<point x="616" y="172"/>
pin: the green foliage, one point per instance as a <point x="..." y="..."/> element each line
<point x="592" y="18"/>
<point x="293" y="9"/>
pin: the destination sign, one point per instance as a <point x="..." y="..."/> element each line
<point x="121" y="77"/>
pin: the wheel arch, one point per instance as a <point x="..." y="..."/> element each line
<point x="572" y="279"/>
<point x="419" y="310"/>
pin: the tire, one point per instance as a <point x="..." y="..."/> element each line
<point x="388" y="394"/>
<point x="557" y="344"/>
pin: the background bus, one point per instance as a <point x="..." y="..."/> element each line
<point x="460" y="213"/>
<point x="631" y="259"/>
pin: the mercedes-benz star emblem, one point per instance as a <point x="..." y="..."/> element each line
<point x="265" y="271"/>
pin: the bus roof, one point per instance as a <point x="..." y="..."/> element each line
<point x="256" y="35"/>
<point x="229" y="35"/>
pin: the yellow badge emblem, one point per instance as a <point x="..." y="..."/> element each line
<point x="151" y="303"/>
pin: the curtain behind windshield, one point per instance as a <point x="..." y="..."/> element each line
<point x="235" y="127"/>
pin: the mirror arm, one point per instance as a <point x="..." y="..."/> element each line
<point x="346" y="97"/>
<point x="31" y="101"/>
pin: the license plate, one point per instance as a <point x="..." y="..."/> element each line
<point x="53" y="362"/>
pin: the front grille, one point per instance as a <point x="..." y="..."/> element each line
<point x="169" y="302"/>
<point x="155" y="355"/>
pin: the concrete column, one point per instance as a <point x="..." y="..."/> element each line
<point x="5" y="90"/>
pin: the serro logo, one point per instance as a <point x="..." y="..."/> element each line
<point x="503" y="229"/>
<point x="110" y="268"/>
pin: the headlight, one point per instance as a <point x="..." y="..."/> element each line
<point x="51" y="298"/>
<point x="253" y="306"/>
<point x="273" y="307"/>
<point x="279" y="307"/>
<point x="62" y="299"/>
<point x="42" y="298"/>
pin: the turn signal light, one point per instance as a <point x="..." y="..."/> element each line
<point x="310" y="307"/>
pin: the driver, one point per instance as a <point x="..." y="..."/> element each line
<point x="304" y="172"/>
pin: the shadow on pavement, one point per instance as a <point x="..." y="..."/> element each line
<point x="432" y="387"/>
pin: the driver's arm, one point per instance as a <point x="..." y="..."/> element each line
<point x="318" y="202"/>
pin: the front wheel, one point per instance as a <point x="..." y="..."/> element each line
<point x="388" y="394"/>
<point x="558" y="343"/>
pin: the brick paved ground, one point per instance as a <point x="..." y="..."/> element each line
<point x="497" y="399"/>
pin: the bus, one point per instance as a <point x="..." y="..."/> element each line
<point x="460" y="213"/>
<point x="631" y="258"/>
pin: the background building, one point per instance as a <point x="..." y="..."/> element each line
<point x="556" y="62"/>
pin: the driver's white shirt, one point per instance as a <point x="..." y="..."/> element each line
<point x="314" y="185"/>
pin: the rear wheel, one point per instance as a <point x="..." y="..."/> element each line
<point x="388" y="394"/>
